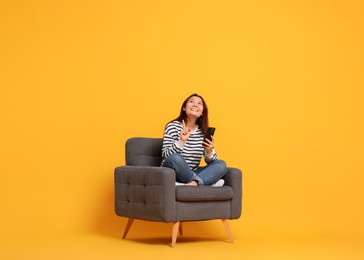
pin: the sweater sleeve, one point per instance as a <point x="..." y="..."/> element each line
<point x="171" y="142"/>
<point x="210" y="157"/>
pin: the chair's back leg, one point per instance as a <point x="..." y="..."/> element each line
<point x="227" y="228"/>
<point x="180" y="229"/>
<point x="128" y="225"/>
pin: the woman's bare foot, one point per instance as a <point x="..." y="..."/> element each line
<point x="192" y="183"/>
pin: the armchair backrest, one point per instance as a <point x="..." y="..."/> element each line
<point x="142" y="151"/>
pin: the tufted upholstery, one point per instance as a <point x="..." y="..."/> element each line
<point x="140" y="193"/>
<point x="146" y="191"/>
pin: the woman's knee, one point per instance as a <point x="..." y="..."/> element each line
<point x="174" y="159"/>
<point x="221" y="164"/>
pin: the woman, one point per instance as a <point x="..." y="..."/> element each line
<point x="184" y="144"/>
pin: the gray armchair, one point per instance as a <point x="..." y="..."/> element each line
<point x="146" y="191"/>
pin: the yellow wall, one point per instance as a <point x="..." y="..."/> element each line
<point x="283" y="81"/>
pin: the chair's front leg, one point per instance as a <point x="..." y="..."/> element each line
<point x="227" y="228"/>
<point x="175" y="232"/>
<point x="128" y="225"/>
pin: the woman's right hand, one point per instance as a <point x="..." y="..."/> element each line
<point x="185" y="133"/>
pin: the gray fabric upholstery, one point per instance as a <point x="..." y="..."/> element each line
<point x="204" y="193"/>
<point x="234" y="179"/>
<point x="146" y="191"/>
<point x="195" y="211"/>
<point x="143" y="151"/>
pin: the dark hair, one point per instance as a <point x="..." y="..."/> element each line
<point x="202" y="121"/>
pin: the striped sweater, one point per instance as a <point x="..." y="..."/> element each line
<point x="192" y="150"/>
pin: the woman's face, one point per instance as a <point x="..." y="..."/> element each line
<point x="194" y="107"/>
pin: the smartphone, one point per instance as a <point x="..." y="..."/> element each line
<point x="210" y="132"/>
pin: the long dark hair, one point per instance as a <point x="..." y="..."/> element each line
<point x="202" y="121"/>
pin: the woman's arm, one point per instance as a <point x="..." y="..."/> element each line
<point x="210" y="157"/>
<point x="209" y="153"/>
<point x="171" y="142"/>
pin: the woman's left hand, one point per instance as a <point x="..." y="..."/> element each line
<point x="208" y="144"/>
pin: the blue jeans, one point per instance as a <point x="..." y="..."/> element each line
<point x="206" y="175"/>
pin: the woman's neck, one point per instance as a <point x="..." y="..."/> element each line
<point x="191" y="123"/>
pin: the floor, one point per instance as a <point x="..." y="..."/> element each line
<point x="197" y="242"/>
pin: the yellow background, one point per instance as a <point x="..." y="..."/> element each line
<point x="284" y="84"/>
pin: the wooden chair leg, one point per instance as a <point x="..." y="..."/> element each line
<point x="180" y="229"/>
<point x="175" y="232"/>
<point x="227" y="229"/>
<point x="128" y="225"/>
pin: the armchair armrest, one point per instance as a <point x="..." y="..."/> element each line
<point x="145" y="192"/>
<point x="234" y="179"/>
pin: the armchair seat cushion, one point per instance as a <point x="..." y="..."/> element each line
<point x="203" y="193"/>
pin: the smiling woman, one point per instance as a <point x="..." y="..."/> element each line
<point x="184" y="144"/>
